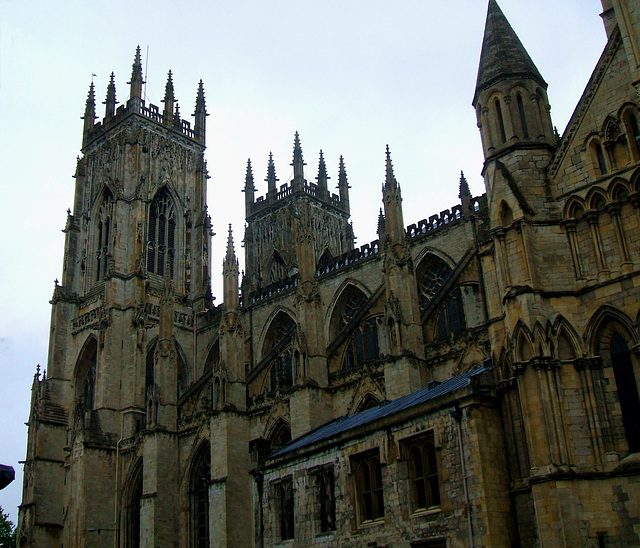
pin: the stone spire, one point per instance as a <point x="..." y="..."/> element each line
<point x="110" y="102"/>
<point x="502" y="55"/>
<point x="200" y="115"/>
<point x="298" y="164"/>
<point x="322" y="177"/>
<point x="230" y="276"/>
<point x="176" y="116"/>
<point x="271" y="179"/>
<point x="249" y="188"/>
<point x="169" y="101"/>
<point x="343" y="186"/>
<point x="136" y="81"/>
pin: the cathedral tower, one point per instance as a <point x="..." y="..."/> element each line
<point x="135" y="276"/>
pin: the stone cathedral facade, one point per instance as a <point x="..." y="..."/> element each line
<point x="468" y="380"/>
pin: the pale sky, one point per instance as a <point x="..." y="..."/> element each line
<point x="350" y="75"/>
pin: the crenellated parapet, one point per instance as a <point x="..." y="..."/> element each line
<point x="168" y="117"/>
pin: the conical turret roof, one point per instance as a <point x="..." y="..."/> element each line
<point x="502" y="55"/>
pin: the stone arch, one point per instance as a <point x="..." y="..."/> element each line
<point x="349" y="298"/>
<point x="566" y="342"/>
<point x="164" y="233"/>
<point x="85" y="374"/>
<point x="574" y="208"/>
<point x="279" y="434"/>
<point x="277" y="268"/>
<point x="102" y="238"/>
<point x="212" y="363"/>
<point x="432" y="273"/>
<point x="276" y="315"/>
<point x="619" y="190"/>
<point x="367" y="390"/>
<point x="505" y="213"/>
<point x="277" y="348"/>
<point x="628" y="114"/>
<point x="369" y="401"/>
<point x="523" y="339"/>
<point x="596" y="199"/>
<point x="199" y="501"/>
<point x="604" y="315"/>
<point x="131" y="505"/>
<point x="597" y="157"/>
<point x="613" y="343"/>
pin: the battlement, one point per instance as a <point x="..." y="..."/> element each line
<point x="445" y="218"/>
<point x="168" y="117"/>
<point x="288" y="189"/>
<point x="151" y="112"/>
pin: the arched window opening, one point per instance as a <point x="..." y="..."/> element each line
<point x="278" y="268"/>
<point x="506" y="214"/>
<point x="564" y="348"/>
<point x="503" y="134"/>
<point x="86" y="375"/>
<point x="635" y="133"/>
<point x="201" y="478"/>
<point x="602" y="165"/>
<point x="523" y="117"/>
<point x="280" y="436"/>
<point x="183" y="375"/>
<point x="423" y="473"/>
<point x="161" y="235"/>
<point x="278" y="347"/>
<point x="432" y="274"/>
<point x="598" y="203"/>
<point x="576" y="212"/>
<point x="627" y="390"/>
<point x="103" y="250"/>
<point x="363" y="345"/>
<point x="451" y="320"/>
<point x="368" y="402"/>
<point x="621" y="194"/>
<point x="132" y="512"/>
<point x="149" y="377"/>
<point x="524" y="348"/>
<point x="368" y="477"/>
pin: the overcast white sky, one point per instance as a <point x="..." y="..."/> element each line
<point x="349" y="75"/>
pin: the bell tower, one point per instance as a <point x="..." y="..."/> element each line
<point x="136" y="273"/>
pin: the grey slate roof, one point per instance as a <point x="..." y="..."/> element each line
<point x="383" y="409"/>
<point x="502" y="55"/>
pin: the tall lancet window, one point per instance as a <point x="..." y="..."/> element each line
<point x="103" y="250"/>
<point x="161" y="235"/>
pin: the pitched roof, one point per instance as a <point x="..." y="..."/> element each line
<point x="502" y="55"/>
<point x="383" y="409"/>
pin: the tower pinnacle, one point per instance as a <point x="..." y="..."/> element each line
<point x="298" y="164"/>
<point x="200" y="114"/>
<point x="322" y="174"/>
<point x="343" y="186"/>
<point x="168" y="100"/>
<point x="136" y="80"/>
<point x="271" y="175"/>
<point x="110" y="101"/>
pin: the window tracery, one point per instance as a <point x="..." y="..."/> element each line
<point x="161" y="235"/>
<point x="434" y="273"/>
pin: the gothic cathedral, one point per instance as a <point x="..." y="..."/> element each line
<point x="469" y="380"/>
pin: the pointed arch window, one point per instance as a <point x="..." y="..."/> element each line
<point x="368" y="478"/>
<point x="363" y="345"/>
<point x="200" y="481"/>
<point x="161" y="235"/>
<point x="279" y="351"/>
<point x="423" y="472"/>
<point x="132" y="512"/>
<point x="86" y="375"/>
<point x="523" y="117"/>
<point x="278" y="268"/>
<point x="501" y="130"/>
<point x="433" y="273"/>
<point x="103" y="246"/>
<point x="602" y="164"/>
<point x="451" y="320"/>
<point x="627" y="390"/>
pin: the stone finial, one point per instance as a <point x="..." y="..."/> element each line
<point x="298" y="163"/>
<point x="90" y="108"/>
<point x="271" y="179"/>
<point x="200" y="114"/>
<point x="322" y="177"/>
<point x="110" y="101"/>
<point x="169" y="100"/>
<point x="136" y="79"/>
